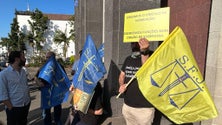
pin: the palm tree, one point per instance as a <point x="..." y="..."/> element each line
<point x="61" y="37"/>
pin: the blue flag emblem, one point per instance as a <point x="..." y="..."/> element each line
<point x="56" y="90"/>
<point x="90" y="69"/>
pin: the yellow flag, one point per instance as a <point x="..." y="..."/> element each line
<point x="172" y="82"/>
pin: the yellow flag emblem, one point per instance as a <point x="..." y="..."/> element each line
<point x="172" y="82"/>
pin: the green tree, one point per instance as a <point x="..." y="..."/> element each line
<point x="4" y="42"/>
<point x="61" y="37"/>
<point x="13" y="36"/>
<point x="15" y="39"/>
<point x="39" y="26"/>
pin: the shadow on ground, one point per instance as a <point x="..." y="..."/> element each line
<point x="35" y="113"/>
<point x="35" y="117"/>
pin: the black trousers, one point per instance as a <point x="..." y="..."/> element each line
<point x="17" y="115"/>
<point x="57" y="115"/>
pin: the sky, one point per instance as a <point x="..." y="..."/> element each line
<point x="8" y="7"/>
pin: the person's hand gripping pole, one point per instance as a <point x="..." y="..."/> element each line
<point x="126" y="86"/>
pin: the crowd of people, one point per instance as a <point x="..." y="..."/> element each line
<point x="136" y="110"/>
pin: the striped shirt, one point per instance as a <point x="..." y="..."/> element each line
<point x="14" y="87"/>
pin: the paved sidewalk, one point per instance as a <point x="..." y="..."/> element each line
<point x="34" y="117"/>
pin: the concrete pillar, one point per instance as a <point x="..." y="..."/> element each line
<point x="214" y="60"/>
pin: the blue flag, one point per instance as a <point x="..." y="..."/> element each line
<point x="90" y="69"/>
<point x="56" y="90"/>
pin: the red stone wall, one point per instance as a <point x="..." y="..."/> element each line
<point x="193" y="17"/>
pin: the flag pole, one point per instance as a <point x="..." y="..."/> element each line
<point x="127" y="85"/>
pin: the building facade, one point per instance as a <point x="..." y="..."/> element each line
<point x="55" y="22"/>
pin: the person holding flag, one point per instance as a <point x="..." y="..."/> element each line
<point x="173" y="83"/>
<point x="87" y="96"/>
<point x="94" y="111"/>
<point x="54" y="85"/>
<point x="135" y="104"/>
